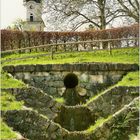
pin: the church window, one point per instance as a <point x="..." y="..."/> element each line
<point x="31" y="18"/>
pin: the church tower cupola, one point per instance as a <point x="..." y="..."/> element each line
<point x="34" y="14"/>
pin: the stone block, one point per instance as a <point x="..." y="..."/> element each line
<point x="10" y="69"/>
<point x="25" y="68"/>
<point x="58" y="84"/>
<point x="50" y="84"/>
<point x="27" y="76"/>
<point x="48" y="78"/>
<point x="61" y="91"/>
<point x="57" y="67"/>
<point x="19" y="75"/>
<point x="80" y="67"/>
<point x="67" y="67"/>
<point x="93" y="67"/>
<point x="40" y="68"/>
<point x="96" y="79"/>
<point x="48" y="112"/>
<point x="84" y="78"/>
<point x="58" y="77"/>
<point x="53" y="127"/>
<point x="51" y="104"/>
<point x="47" y="67"/>
<point x="77" y="73"/>
<point x="38" y="79"/>
<point x="88" y="86"/>
<point x="55" y="109"/>
<point x="81" y="91"/>
<point x="53" y="136"/>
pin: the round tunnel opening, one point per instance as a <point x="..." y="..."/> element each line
<point x="70" y="80"/>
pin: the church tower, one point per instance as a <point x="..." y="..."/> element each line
<point x="34" y="20"/>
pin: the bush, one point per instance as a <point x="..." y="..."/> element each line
<point x="70" y="80"/>
<point x="17" y="39"/>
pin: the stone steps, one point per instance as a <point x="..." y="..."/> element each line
<point x="35" y="123"/>
<point x="35" y="126"/>
<point x="36" y="99"/>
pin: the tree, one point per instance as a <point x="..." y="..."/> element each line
<point x="129" y="8"/>
<point x="17" y="25"/>
<point x="77" y="13"/>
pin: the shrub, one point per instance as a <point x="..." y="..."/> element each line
<point x="17" y="39"/>
<point x="70" y="80"/>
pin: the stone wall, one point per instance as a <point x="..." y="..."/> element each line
<point x="34" y="126"/>
<point x="122" y="124"/>
<point x="36" y="99"/>
<point x="75" y="118"/>
<point x="93" y="77"/>
<point x="112" y="100"/>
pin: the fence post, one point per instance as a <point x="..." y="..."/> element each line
<point x="52" y="52"/>
<point x="109" y="47"/>
<point x="101" y="45"/>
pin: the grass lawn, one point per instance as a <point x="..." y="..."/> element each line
<point x="131" y="79"/>
<point x="8" y="102"/>
<point x="7" y="81"/>
<point x="6" y="132"/>
<point x="98" y="123"/>
<point x="127" y="55"/>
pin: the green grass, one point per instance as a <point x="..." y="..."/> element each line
<point x="60" y="100"/>
<point x="132" y="137"/>
<point x="98" y="123"/>
<point x="19" y="55"/>
<point x="7" y="81"/>
<point x="131" y="79"/>
<point x="135" y="137"/>
<point x="127" y="55"/>
<point x="8" y="102"/>
<point x="6" y="132"/>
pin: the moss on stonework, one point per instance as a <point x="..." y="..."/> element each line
<point x="131" y="79"/>
<point x="60" y="100"/>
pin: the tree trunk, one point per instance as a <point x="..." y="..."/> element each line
<point x="102" y="4"/>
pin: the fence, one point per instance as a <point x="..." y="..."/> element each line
<point x="59" y="48"/>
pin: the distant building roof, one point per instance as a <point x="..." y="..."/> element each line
<point x="37" y="1"/>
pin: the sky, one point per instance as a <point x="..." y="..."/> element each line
<point x="10" y="11"/>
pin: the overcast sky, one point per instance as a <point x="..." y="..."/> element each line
<point x="10" y="11"/>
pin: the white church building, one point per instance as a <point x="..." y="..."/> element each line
<point x="34" y="20"/>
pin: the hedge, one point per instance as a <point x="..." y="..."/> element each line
<point x="16" y="39"/>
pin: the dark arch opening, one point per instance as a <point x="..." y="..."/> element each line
<point x="31" y="18"/>
<point x="70" y="80"/>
